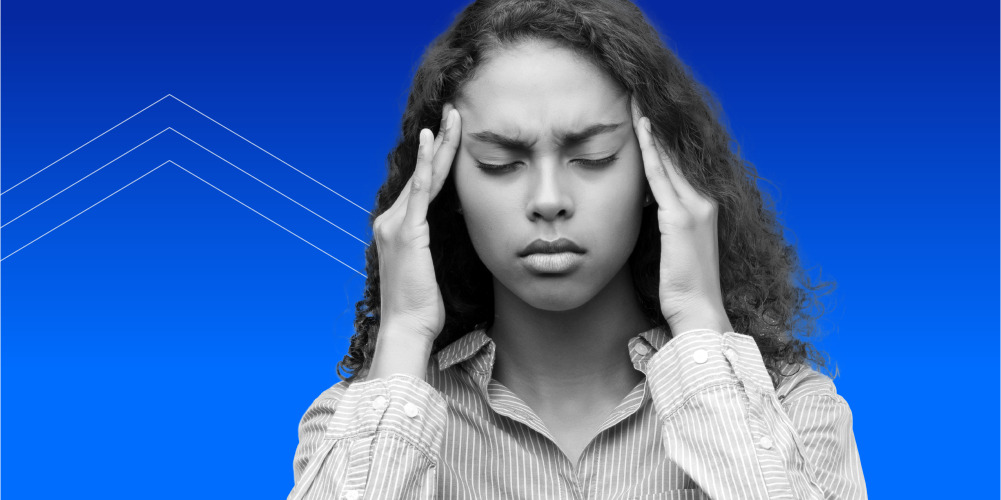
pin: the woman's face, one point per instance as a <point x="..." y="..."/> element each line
<point x="548" y="153"/>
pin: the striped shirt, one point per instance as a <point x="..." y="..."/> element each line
<point x="705" y="422"/>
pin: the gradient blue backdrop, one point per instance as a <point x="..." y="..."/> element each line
<point x="165" y="343"/>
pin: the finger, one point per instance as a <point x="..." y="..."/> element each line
<point x="656" y="174"/>
<point x="634" y="106"/>
<point x="441" y="126"/>
<point x="445" y="154"/>
<point x="636" y="113"/>
<point x="437" y="179"/>
<point x="404" y="197"/>
<point x="400" y="203"/>
<point x="420" y="182"/>
<point x="681" y="185"/>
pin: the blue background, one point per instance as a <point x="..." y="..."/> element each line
<point x="165" y="343"/>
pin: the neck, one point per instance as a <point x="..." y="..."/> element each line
<point x="578" y="355"/>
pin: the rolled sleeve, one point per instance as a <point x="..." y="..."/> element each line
<point x="401" y="404"/>
<point x="724" y="425"/>
<point x="691" y="362"/>
<point x="377" y="438"/>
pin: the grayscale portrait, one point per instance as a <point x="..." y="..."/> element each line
<point x="575" y="288"/>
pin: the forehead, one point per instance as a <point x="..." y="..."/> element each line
<point x="535" y="87"/>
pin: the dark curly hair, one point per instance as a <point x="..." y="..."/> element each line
<point x="757" y="267"/>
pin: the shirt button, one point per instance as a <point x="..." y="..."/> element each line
<point x="765" y="442"/>
<point x="700" y="356"/>
<point x="731" y="354"/>
<point x="411" y="410"/>
<point x="642" y="349"/>
<point x="379" y="403"/>
<point x="351" y="495"/>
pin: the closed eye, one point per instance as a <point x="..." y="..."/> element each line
<point x="492" y="168"/>
<point x="598" y="163"/>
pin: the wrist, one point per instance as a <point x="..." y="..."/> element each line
<point x="706" y="319"/>
<point x="398" y="350"/>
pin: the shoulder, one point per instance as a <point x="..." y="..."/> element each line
<point x="802" y="381"/>
<point x="334" y="392"/>
<point x="326" y="402"/>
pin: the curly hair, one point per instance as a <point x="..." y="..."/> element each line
<point x="758" y="269"/>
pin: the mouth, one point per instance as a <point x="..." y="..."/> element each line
<point x="559" y="246"/>
<point x="553" y="263"/>
<point x="552" y="257"/>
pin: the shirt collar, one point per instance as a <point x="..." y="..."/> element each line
<point x="476" y="349"/>
<point x="464" y="348"/>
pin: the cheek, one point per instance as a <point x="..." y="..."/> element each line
<point x="482" y="209"/>
<point x="620" y="205"/>
<point x="469" y="185"/>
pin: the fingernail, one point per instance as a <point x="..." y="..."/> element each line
<point x="423" y="138"/>
<point x="646" y="125"/>
<point x="449" y="120"/>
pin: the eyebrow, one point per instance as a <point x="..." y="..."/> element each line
<point x="563" y="139"/>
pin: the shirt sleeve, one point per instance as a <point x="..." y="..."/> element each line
<point x="371" y="439"/>
<point x="724" y="424"/>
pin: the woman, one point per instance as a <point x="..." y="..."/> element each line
<point x="557" y="284"/>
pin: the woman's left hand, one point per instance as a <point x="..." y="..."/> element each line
<point x="690" y="293"/>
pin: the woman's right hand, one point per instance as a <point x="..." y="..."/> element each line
<point x="411" y="303"/>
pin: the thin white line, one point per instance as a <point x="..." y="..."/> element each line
<point x="88" y="208"/>
<point x="266" y="184"/>
<point x="84" y="144"/>
<point x="84" y="177"/>
<point x="269" y="153"/>
<point x="269" y="220"/>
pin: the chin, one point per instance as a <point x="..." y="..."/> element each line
<point x="556" y="296"/>
<point x="555" y="304"/>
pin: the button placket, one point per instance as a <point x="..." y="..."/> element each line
<point x="731" y="354"/>
<point x="765" y="442"/>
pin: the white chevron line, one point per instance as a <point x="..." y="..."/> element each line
<point x="268" y="185"/>
<point x="84" y="177"/>
<point x="199" y="178"/>
<point x="206" y="149"/>
<point x="269" y="153"/>
<point x="210" y="119"/>
<point x="269" y="220"/>
<point x="84" y="144"/>
<point x="84" y="210"/>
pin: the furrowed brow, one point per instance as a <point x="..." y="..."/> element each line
<point x="509" y="143"/>
<point x="563" y="139"/>
<point x="566" y="139"/>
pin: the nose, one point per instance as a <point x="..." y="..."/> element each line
<point x="549" y="195"/>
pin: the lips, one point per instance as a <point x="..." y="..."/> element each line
<point x="561" y="245"/>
